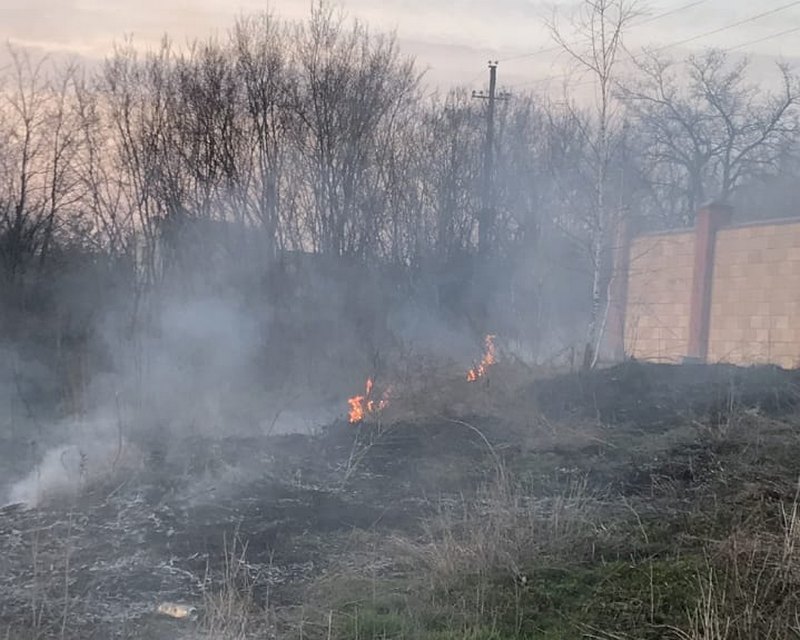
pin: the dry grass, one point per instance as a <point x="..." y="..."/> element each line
<point x="747" y="587"/>
<point x="581" y="530"/>
<point x="502" y="530"/>
<point x="231" y="612"/>
<point x="389" y="587"/>
<point x="741" y="573"/>
<point x="427" y="388"/>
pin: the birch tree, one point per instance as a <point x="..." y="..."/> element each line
<point x="593" y="43"/>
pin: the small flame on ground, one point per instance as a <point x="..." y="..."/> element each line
<point x="362" y="405"/>
<point x="489" y="358"/>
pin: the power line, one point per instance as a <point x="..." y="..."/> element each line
<point x="654" y="18"/>
<point x="772" y="37"/>
<point x="670" y="12"/>
<point x="475" y="77"/>
<point x="739" y="23"/>
<point x="530" y="54"/>
<point x="728" y="50"/>
<point x="698" y="37"/>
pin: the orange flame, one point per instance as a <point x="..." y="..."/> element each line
<point x="489" y="358"/>
<point x="356" y="409"/>
<point x="360" y="406"/>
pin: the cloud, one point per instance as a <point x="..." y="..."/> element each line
<point x="452" y="39"/>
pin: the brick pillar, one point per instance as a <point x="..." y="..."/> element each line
<point x="618" y="294"/>
<point x="710" y="219"/>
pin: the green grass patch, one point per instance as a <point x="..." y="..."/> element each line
<point x="548" y="604"/>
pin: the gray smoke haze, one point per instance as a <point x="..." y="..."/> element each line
<point x="155" y="373"/>
<point x="241" y="232"/>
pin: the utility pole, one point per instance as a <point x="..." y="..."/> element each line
<point x="486" y="221"/>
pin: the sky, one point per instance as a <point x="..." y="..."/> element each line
<point x="451" y="39"/>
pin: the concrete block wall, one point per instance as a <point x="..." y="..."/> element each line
<point x="659" y="296"/>
<point x="755" y="301"/>
<point x="731" y="296"/>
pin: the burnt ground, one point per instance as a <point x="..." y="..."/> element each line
<point x="163" y="534"/>
<point x="658" y="395"/>
<point x="693" y="449"/>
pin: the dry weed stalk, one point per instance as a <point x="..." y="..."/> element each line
<point x="67" y="557"/>
<point x="365" y="439"/>
<point x="502" y="531"/>
<point x="708" y="620"/>
<point x="750" y="587"/>
<point x="230" y="613"/>
<point x="37" y="604"/>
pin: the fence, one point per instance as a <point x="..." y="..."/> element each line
<point x="717" y="293"/>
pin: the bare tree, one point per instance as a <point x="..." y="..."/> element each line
<point x="262" y="67"/>
<point x="233" y="152"/>
<point x="136" y="98"/>
<point x="452" y="175"/>
<point x="594" y="48"/>
<point x="351" y="83"/>
<point x="110" y="227"/>
<point x="40" y="142"/>
<point x="708" y="136"/>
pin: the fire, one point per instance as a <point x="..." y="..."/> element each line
<point x="356" y="409"/>
<point x="489" y="358"/>
<point x="361" y="406"/>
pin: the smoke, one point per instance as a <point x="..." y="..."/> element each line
<point x="191" y="371"/>
<point x="193" y="363"/>
<point x="91" y="452"/>
<point x="152" y="373"/>
<point x="223" y="347"/>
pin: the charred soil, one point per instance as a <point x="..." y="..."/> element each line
<point x="640" y="501"/>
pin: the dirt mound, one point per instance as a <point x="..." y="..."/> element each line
<point x="658" y="394"/>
